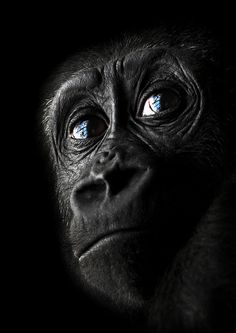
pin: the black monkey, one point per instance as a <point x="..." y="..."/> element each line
<point x="141" y="135"/>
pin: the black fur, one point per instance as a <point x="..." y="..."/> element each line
<point x="196" y="291"/>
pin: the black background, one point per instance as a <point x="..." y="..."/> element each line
<point x="39" y="292"/>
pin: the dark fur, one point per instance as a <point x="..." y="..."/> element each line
<point x="198" y="292"/>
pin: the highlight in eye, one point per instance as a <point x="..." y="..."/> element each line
<point x="160" y="102"/>
<point x="87" y="128"/>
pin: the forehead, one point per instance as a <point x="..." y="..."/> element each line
<point x="127" y="67"/>
<point x="127" y="54"/>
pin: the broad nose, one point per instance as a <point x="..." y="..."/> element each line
<point x="104" y="163"/>
<point x="109" y="175"/>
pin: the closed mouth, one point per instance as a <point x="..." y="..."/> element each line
<point x="112" y="236"/>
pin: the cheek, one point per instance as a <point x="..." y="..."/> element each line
<point x="68" y="175"/>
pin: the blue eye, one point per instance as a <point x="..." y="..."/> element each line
<point x="88" y="128"/>
<point x="165" y="100"/>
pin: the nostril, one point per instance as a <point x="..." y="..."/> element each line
<point x="89" y="193"/>
<point x="92" y="192"/>
<point x="121" y="179"/>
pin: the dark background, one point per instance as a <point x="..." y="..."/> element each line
<point x="39" y="292"/>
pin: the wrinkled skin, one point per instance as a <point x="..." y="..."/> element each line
<point x="146" y="191"/>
